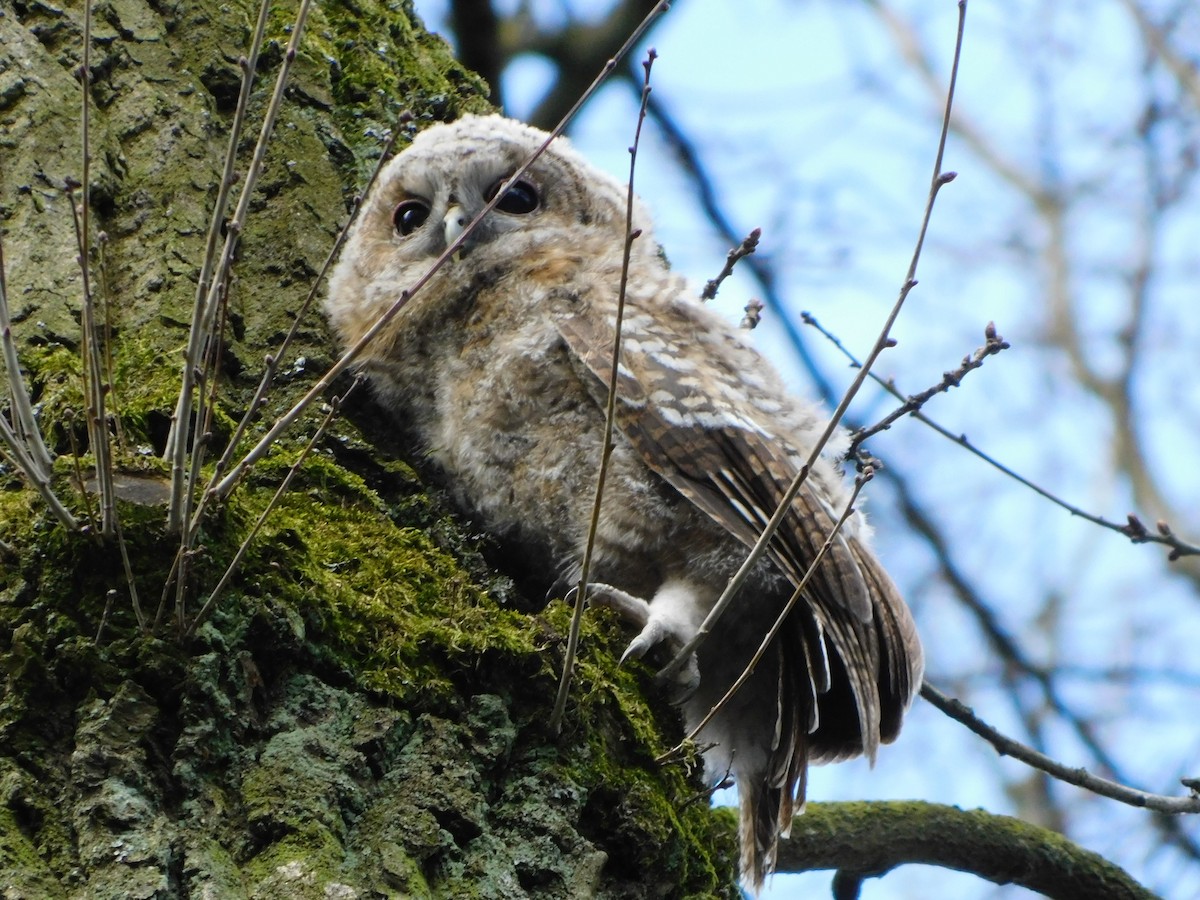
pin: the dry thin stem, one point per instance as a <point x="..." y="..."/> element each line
<point x="859" y="481"/>
<point x="884" y="341"/>
<point x="993" y="344"/>
<point x="19" y="451"/>
<point x="745" y="248"/>
<point x="564" y="684"/>
<point x="177" y="439"/>
<point x="107" y="342"/>
<point x="1132" y="528"/>
<point x="207" y="299"/>
<point x="110" y="598"/>
<point x="1079" y="777"/>
<point x="94" y="384"/>
<point x="235" y="564"/>
<point x="23" y="418"/>
<point x="26" y="446"/>
<point x="352" y="353"/>
<point x="166" y="591"/>
<point x="96" y="418"/>
<point x="209" y="378"/>
<point x="272" y="360"/>
<point x="77" y="464"/>
<point x="128" y="567"/>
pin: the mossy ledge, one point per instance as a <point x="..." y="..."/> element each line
<point x="361" y="716"/>
<point x="364" y="715"/>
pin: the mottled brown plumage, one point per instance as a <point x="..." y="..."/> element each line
<point x="500" y="365"/>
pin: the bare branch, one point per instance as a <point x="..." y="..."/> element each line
<point x="610" y="414"/>
<point x="1132" y="527"/>
<point x="868" y="840"/>
<point x="93" y="372"/>
<point x="577" y="50"/>
<point x="994" y="344"/>
<point x="745" y="248"/>
<point x="19" y="451"/>
<point x="235" y="564"/>
<point x="24" y="421"/>
<point x="205" y="314"/>
<point x="753" y="315"/>
<point x="1079" y="777"/>
<point x="859" y="482"/>
<point x="687" y="156"/>
<point x="272" y="360"/>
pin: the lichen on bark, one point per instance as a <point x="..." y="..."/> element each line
<point x="364" y="714"/>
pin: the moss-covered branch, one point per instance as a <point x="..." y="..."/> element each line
<point x="864" y="840"/>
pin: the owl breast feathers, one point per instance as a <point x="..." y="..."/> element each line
<point x="500" y="366"/>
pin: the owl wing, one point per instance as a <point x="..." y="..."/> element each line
<point x="708" y="440"/>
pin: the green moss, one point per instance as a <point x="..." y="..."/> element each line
<point x="384" y="64"/>
<point x="302" y="864"/>
<point x="365" y="706"/>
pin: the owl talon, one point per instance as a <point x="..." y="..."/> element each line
<point x="655" y="629"/>
<point x="632" y="609"/>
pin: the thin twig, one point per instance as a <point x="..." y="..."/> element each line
<point x="272" y="360"/>
<point x="1079" y="777"/>
<point x="1015" y="658"/>
<point x="688" y="157"/>
<point x="884" y="341"/>
<point x="355" y="350"/>
<point x="745" y="248"/>
<point x="23" y="418"/>
<point x="94" y="385"/>
<point x="753" y="309"/>
<point x="26" y="446"/>
<point x="77" y="464"/>
<point x="993" y="344"/>
<point x="1133" y="528"/>
<point x="166" y="592"/>
<point x="107" y="342"/>
<point x="235" y="564"/>
<point x="21" y="455"/>
<point x="204" y="313"/>
<point x="128" y="567"/>
<point x="110" y="597"/>
<point x="177" y="439"/>
<point x="581" y="593"/>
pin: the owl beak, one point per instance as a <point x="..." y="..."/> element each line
<point x="453" y="224"/>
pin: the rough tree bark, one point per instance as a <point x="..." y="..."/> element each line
<point x="365" y="714"/>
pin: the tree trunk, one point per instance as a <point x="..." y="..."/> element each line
<point x="364" y="714"/>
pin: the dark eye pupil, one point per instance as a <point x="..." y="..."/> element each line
<point x="521" y="198"/>
<point x="410" y="215"/>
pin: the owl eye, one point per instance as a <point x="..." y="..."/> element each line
<point x="410" y="215"/>
<point x="521" y="198"/>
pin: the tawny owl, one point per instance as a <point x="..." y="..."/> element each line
<point x="500" y="365"/>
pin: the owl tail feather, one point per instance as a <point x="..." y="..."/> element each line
<point x="758" y="832"/>
<point x="771" y="792"/>
<point x="765" y="814"/>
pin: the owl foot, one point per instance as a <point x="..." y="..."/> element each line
<point x="659" y="625"/>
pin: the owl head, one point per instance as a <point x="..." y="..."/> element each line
<point x="428" y="194"/>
